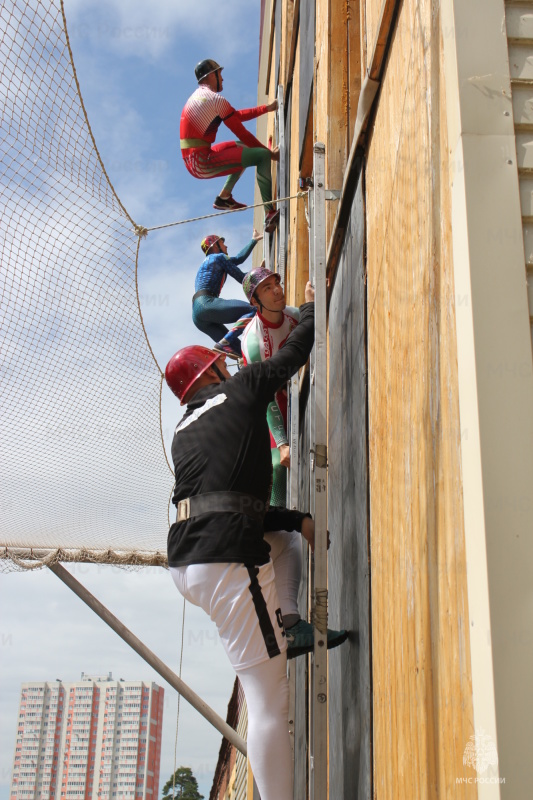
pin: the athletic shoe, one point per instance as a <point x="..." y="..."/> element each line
<point x="227" y="203"/>
<point x="227" y="349"/>
<point x="301" y="639"/>
<point x="271" y="221"/>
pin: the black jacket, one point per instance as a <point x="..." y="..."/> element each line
<point x="223" y="444"/>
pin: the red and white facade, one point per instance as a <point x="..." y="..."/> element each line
<point x="97" y="739"/>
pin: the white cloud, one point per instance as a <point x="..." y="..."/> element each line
<point x="153" y="30"/>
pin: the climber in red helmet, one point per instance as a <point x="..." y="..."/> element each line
<point x="217" y="552"/>
<point x="200" y="120"/>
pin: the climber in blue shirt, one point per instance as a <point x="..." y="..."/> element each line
<point x="209" y="311"/>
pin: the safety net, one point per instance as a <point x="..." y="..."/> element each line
<point x="83" y="468"/>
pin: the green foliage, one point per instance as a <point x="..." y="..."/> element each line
<point x="185" y="786"/>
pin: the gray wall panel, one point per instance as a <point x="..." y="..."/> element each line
<point x="350" y="727"/>
<point x="349" y="590"/>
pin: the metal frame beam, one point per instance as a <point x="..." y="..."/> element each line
<point x="318" y="484"/>
<point x="185" y="691"/>
<point x="282" y="178"/>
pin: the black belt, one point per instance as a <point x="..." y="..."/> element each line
<point x="221" y="503"/>
<point x="203" y="293"/>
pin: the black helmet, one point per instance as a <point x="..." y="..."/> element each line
<point x="205" y="67"/>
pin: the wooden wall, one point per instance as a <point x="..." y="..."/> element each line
<point x="422" y="707"/>
<point x="400" y="713"/>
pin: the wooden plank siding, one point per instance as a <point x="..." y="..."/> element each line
<point x="420" y="638"/>
<point x="401" y="701"/>
<point x="519" y="23"/>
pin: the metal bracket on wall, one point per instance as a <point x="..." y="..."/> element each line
<point x="266" y="250"/>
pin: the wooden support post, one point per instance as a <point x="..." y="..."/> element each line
<point x="150" y="657"/>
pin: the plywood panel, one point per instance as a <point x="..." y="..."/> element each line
<point x="338" y="82"/>
<point x="372" y="14"/>
<point x="287" y="22"/>
<point x="420" y="645"/>
<point x="355" y="69"/>
<point x="307" y="61"/>
<point x="297" y="249"/>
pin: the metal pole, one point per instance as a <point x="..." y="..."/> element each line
<point x="318" y="477"/>
<point x="294" y="433"/>
<point x="150" y="657"/>
<point x="266" y="250"/>
<point x="293" y="495"/>
<point x="311" y="428"/>
<point x="282" y="229"/>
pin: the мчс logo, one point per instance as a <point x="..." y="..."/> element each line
<point x="480" y="752"/>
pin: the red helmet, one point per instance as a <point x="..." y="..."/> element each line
<point x="186" y="366"/>
<point x="210" y="241"/>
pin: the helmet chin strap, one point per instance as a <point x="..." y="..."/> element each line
<point x="218" y="80"/>
<point x="219" y="373"/>
<point x="262" y="306"/>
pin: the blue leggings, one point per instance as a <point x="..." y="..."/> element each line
<point x="209" y="314"/>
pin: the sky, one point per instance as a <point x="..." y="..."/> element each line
<point x="135" y="63"/>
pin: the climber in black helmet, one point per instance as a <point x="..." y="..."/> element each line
<point x="200" y="120"/>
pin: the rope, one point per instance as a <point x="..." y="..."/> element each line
<point x="36" y="558"/>
<point x="142" y="232"/>
<point x="87" y="118"/>
<point x="162" y="374"/>
<point x="139" y="307"/>
<point x="169" y="505"/>
<point x="179" y="698"/>
<point x="169" y="465"/>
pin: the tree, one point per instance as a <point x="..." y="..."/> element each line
<point x="185" y="786"/>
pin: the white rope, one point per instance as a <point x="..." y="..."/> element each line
<point x="179" y="698"/>
<point x="141" y="231"/>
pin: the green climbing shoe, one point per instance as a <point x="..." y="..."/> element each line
<point x="301" y="638"/>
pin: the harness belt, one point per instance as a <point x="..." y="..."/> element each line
<point x="187" y="144"/>
<point x="203" y="293"/>
<point x="221" y="503"/>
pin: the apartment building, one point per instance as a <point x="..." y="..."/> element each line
<point x="96" y="738"/>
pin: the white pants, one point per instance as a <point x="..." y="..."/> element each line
<point x="286" y="555"/>
<point x="243" y="603"/>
